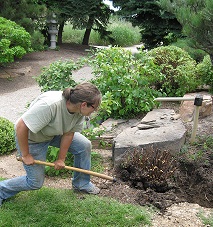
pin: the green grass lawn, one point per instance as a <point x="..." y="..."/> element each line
<point x="60" y="207"/>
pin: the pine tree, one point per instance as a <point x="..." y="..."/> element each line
<point x="155" y="23"/>
<point x="26" y="13"/>
<point x="196" y="17"/>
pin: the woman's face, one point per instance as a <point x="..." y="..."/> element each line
<point x="87" y="109"/>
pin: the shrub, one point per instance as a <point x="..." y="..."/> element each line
<point x="106" y="106"/>
<point x="116" y="71"/>
<point x="205" y="72"/>
<point x="148" y="168"/>
<point x="58" y="75"/>
<point x="14" y="41"/>
<point x="7" y="139"/>
<point x="178" y="68"/>
<point x="52" y="155"/>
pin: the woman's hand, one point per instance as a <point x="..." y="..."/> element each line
<point x="28" y="159"/>
<point x="66" y="140"/>
<point x="59" y="164"/>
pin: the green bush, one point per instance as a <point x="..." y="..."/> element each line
<point x="118" y="72"/>
<point x="52" y="155"/>
<point x="205" y="72"/>
<point x="178" y="69"/>
<point x="105" y="110"/>
<point x="14" y="41"/>
<point x="58" y="75"/>
<point x="7" y="139"/>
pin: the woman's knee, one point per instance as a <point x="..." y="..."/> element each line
<point x="35" y="176"/>
<point x="80" y="144"/>
<point x="87" y="145"/>
<point x="35" y="183"/>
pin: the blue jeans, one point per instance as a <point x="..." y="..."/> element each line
<point x="80" y="148"/>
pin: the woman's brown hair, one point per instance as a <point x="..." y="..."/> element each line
<point x="84" y="92"/>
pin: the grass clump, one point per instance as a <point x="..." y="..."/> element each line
<point x="123" y="34"/>
<point x="201" y="150"/>
<point x="207" y="220"/>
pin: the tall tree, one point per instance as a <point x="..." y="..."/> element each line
<point x="196" y="17"/>
<point x="155" y="23"/>
<point x="26" y="13"/>
<point x="88" y="15"/>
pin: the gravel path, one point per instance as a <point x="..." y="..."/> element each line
<point x="13" y="104"/>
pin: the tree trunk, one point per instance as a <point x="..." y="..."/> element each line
<point x="211" y="57"/>
<point x="86" y="37"/>
<point x="60" y="31"/>
<point x="88" y="31"/>
<point x="46" y="35"/>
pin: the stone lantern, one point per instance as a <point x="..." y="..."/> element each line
<point x="52" y="30"/>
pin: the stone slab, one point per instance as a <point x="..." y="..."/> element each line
<point x="166" y="133"/>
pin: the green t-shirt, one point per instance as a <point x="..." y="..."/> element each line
<point x="48" y="116"/>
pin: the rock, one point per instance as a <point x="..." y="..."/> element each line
<point x="187" y="107"/>
<point x="175" y="117"/>
<point x="206" y="108"/>
<point x="10" y="72"/>
<point x="110" y="123"/>
<point x="160" y="132"/>
<point x="144" y="126"/>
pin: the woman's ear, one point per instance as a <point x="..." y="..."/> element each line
<point x="84" y="104"/>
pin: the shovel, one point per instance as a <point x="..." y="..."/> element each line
<point x="74" y="169"/>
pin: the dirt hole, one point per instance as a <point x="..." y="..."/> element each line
<point x="164" y="180"/>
